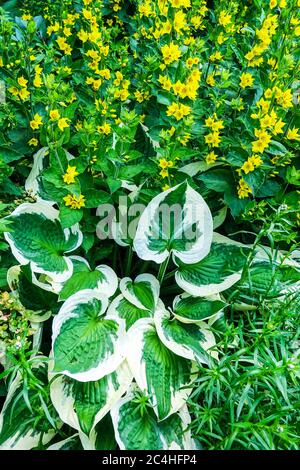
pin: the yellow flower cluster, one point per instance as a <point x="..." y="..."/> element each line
<point x="71" y="173"/>
<point x="213" y="139"/>
<point x="264" y="36"/>
<point x="74" y="202"/>
<point x="178" y="110"/>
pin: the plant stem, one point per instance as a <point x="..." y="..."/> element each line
<point x="129" y="261"/>
<point x="162" y="269"/>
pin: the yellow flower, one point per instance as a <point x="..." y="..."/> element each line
<point x="71" y="173"/>
<point x="165" y="82"/>
<point x="37" y="81"/>
<point x="164" y="173"/>
<point x="54" y="114"/>
<point x="248" y="167"/>
<point x="63" y="123"/>
<point x="213" y="139"/>
<point x="210" y="80"/>
<point x="22" y="81"/>
<point x="243" y="189"/>
<point x="246" y="80"/>
<point x="170" y="53"/>
<point x="178" y="110"/>
<point x="36" y="122"/>
<point x="278" y="127"/>
<point x="165" y="187"/>
<point x="24" y="94"/>
<point x="14" y="90"/>
<point x="180" y="3"/>
<point x="211" y="158"/>
<point x="88" y="15"/>
<point x="74" y="202"/>
<point x="33" y="142"/>
<point x="292" y="134"/>
<point x="105" y="129"/>
<point x="224" y="18"/>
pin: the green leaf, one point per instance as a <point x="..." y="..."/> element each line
<point x="71" y="443"/>
<point x="186" y="340"/>
<point x="38" y="238"/>
<point x="87" y="344"/>
<point x="69" y="217"/>
<point x="82" y="405"/>
<point x="31" y="295"/>
<point x="127" y="311"/>
<point x="103" y="279"/>
<point x="189" y="309"/>
<point x="102" y="436"/>
<point x="137" y="428"/>
<point x="157" y="370"/>
<point x="143" y="292"/>
<point x="95" y="197"/>
<point x="216" y="272"/>
<point x="177" y="220"/>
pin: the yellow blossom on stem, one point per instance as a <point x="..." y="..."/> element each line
<point x="71" y="173"/>
<point x="63" y="123"/>
<point x="170" y="53"/>
<point x="293" y="134"/>
<point x="178" y="110"/>
<point x="54" y="114"/>
<point x="243" y="189"/>
<point x="33" y="142"/>
<point x="246" y="80"/>
<point x="211" y="158"/>
<point x="36" y="122"/>
<point x="75" y="202"/>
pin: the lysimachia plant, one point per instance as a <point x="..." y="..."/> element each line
<point x="125" y="351"/>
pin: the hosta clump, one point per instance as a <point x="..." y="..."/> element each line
<point x="124" y="359"/>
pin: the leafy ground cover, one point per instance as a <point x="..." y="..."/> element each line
<point x="149" y="231"/>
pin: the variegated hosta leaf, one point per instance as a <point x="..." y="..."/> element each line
<point x="19" y="427"/>
<point x="124" y="223"/>
<point x="178" y="221"/>
<point x="103" y="279"/>
<point x="218" y="271"/>
<point x="135" y="430"/>
<point x="189" y="309"/>
<point x="185" y="340"/>
<point x="38" y="238"/>
<point x="102" y="436"/>
<point x="143" y="292"/>
<point x="71" y="443"/>
<point x="31" y="184"/>
<point x="86" y="344"/>
<point x="82" y="405"/>
<point x="25" y="286"/>
<point x="157" y="370"/>
<point x="264" y="280"/>
<point x="126" y="310"/>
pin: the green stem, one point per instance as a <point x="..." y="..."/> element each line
<point x="162" y="269"/>
<point x="129" y="261"/>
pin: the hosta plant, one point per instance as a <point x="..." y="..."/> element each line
<point x="126" y="351"/>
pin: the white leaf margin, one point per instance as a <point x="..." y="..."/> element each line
<point x="64" y="404"/>
<point x="145" y="278"/>
<point x="194" y="202"/>
<point x="137" y="365"/>
<point x="182" y="350"/>
<point x="45" y="208"/>
<point x="66" y="312"/>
